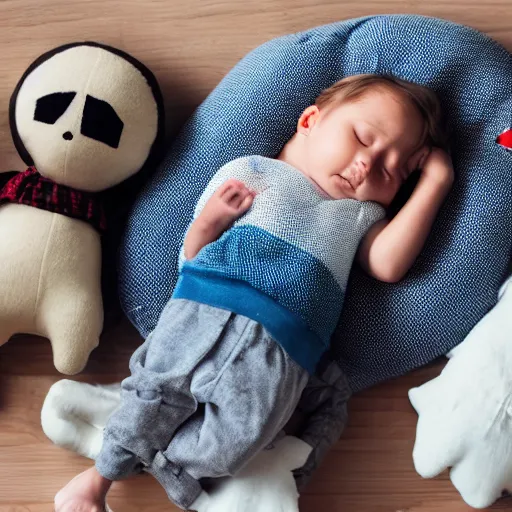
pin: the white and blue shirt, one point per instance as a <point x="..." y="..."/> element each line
<point x="285" y="263"/>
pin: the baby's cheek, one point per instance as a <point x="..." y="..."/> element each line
<point x="384" y="191"/>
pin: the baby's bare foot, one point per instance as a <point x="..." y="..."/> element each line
<point x="85" y="493"/>
<point x="79" y="506"/>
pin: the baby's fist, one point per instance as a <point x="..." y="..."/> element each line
<point x="229" y="202"/>
<point x="236" y="196"/>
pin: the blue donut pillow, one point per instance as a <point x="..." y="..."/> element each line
<point x="385" y="330"/>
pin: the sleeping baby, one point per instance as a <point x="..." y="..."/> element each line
<point x="263" y="272"/>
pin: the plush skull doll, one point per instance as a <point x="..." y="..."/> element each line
<point x="84" y="117"/>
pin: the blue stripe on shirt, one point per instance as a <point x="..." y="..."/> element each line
<point x="289" y="275"/>
<point x="300" y="342"/>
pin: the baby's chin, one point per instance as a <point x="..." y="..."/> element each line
<point x="359" y="195"/>
<point x="321" y="190"/>
<point x="337" y="187"/>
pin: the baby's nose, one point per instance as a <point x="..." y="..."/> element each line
<point x="366" y="166"/>
<point x="361" y="171"/>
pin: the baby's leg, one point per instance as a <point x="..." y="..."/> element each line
<point x="245" y="407"/>
<point x="144" y="423"/>
<point x="126" y="442"/>
<point x="157" y="398"/>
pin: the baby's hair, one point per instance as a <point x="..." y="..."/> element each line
<point x="423" y="98"/>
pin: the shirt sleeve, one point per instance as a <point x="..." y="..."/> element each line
<point x="373" y="212"/>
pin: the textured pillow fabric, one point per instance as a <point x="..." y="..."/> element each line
<point x="385" y="330"/>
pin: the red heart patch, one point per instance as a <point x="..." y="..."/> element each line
<point x="505" y="139"/>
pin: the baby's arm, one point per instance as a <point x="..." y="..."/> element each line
<point x="390" y="247"/>
<point x="231" y="200"/>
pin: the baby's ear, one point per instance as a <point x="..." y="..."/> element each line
<point x="308" y="119"/>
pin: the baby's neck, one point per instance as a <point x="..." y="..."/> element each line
<point x="291" y="155"/>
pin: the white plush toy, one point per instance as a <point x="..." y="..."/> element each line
<point x="74" y="415"/>
<point x="465" y="414"/>
<point x="84" y="117"/>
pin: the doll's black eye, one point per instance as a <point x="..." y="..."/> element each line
<point x="101" y="122"/>
<point x="51" y="107"/>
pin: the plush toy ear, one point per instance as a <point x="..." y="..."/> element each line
<point x="505" y="139"/>
<point x="18" y="143"/>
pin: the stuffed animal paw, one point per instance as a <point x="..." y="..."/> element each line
<point x="465" y="414"/>
<point x="74" y="415"/>
<point x="265" y="484"/>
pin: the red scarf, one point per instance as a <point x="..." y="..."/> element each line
<point x="32" y="189"/>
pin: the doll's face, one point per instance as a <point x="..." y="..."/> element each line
<point x="87" y="117"/>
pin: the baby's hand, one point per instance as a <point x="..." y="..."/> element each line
<point x="437" y="168"/>
<point x="229" y="202"/>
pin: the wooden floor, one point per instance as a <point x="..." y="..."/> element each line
<point x="190" y="45"/>
<point x="370" y="469"/>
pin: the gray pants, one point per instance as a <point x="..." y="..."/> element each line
<point x="208" y="390"/>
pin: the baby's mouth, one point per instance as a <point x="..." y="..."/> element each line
<point x="348" y="181"/>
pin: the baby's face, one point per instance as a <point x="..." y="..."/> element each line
<point x="362" y="149"/>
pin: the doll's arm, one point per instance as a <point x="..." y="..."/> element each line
<point x="390" y="247"/>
